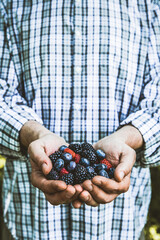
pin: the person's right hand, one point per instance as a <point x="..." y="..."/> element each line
<point x="40" y="146"/>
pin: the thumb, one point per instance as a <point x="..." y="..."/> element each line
<point x="39" y="157"/>
<point x="127" y="160"/>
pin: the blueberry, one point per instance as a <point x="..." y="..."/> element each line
<point x="100" y="154"/>
<point x="95" y="166"/>
<point x="111" y="172"/>
<point x="90" y="169"/>
<point x="103" y="173"/>
<point x="84" y="161"/>
<point x="67" y="157"/>
<point x="59" y="164"/>
<point x="62" y="148"/>
<point x="101" y="166"/>
<point x="71" y="166"/>
<point x="91" y="172"/>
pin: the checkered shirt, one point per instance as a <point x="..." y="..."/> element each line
<point x="83" y="68"/>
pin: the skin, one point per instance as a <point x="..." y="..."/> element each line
<point x="120" y="151"/>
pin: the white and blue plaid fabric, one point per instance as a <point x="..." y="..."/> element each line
<point x="83" y="68"/>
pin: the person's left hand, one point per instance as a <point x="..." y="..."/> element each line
<point x="104" y="190"/>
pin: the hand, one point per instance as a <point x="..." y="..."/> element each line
<point x="41" y="144"/>
<point x="120" y="152"/>
<point x="56" y="192"/>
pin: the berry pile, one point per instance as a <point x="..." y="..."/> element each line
<point x="79" y="162"/>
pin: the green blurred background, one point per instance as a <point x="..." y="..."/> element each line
<point x="152" y="228"/>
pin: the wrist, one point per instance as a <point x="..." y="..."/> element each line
<point x="131" y="136"/>
<point x="31" y="131"/>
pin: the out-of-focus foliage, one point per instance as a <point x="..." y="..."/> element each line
<point x="152" y="228"/>
<point x="2" y="162"/>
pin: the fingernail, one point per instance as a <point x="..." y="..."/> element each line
<point x="97" y="181"/>
<point x="90" y="187"/>
<point x="44" y="167"/>
<point x="121" y="175"/>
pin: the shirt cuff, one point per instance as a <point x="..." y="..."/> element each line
<point x="11" y="124"/>
<point x="149" y="127"/>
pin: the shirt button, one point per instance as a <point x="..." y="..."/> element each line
<point x="78" y="70"/>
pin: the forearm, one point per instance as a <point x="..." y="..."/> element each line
<point x="32" y="131"/>
<point x="130" y="135"/>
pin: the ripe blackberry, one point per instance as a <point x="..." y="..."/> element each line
<point x="68" y="178"/>
<point x="52" y="175"/>
<point x="90" y="155"/>
<point x="76" y="147"/>
<point x="88" y="146"/>
<point x="54" y="156"/>
<point x="80" y="173"/>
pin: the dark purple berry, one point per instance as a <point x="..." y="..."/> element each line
<point x="103" y="173"/>
<point x="67" y="157"/>
<point x="76" y="147"/>
<point x="90" y="155"/>
<point x="88" y="146"/>
<point x="71" y="166"/>
<point x="80" y="173"/>
<point x="68" y="178"/>
<point x="59" y="164"/>
<point x="100" y="154"/>
<point x="62" y="148"/>
<point x="54" y="156"/>
<point x="52" y="175"/>
<point x="84" y="161"/>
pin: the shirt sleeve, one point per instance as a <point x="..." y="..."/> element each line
<point x="146" y="118"/>
<point x="14" y="111"/>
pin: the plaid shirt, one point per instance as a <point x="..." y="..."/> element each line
<point x="83" y="69"/>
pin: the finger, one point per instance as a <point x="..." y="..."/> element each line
<point x="61" y="197"/>
<point x="47" y="186"/>
<point x="87" y="198"/>
<point x="39" y="156"/>
<point x="111" y="186"/>
<point x="78" y="189"/>
<point x="99" y="195"/>
<point x="77" y="203"/>
<point x="127" y="160"/>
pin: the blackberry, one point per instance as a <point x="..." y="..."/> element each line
<point x="68" y="178"/>
<point x="80" y="173"/>
<point x="52" y="175"/>
<point x="88" y="146"/>
<point x="54" y="156"/>
<point x="90" y="155"/>
<point x="76" y="147"/>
